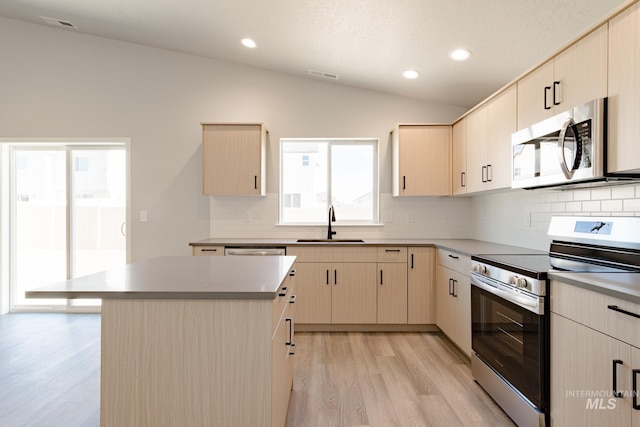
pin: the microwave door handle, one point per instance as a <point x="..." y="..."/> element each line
<point x="566" y="127"/>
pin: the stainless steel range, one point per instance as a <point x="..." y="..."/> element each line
<point x="510" y="307"/>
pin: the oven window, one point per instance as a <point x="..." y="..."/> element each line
<point x="510" y="339"/>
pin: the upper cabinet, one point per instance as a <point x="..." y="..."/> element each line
<point x="459" y="157"/>
<point x="233" y="159"/>
<point x="624" y="91"/>
<point x="421" y="160"/>
<point x="573" y="77"/>
<point x="488" y="144"/>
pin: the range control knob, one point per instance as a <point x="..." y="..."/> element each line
<point x="479" y="268"/>
<point x="519" y="282"/>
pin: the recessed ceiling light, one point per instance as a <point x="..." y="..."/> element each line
<point x="460" y="54"/>
<point x="410" y="74"/>
<point x="249" y="43"/>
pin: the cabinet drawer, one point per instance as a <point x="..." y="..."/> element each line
<point x="333" y="253"/>
<point x="455" y="261"/>
<point x="392" y="254"/>
<point x="591" y="309"/>
<point x="208" y="250"/>
<point x="280" y="304"/>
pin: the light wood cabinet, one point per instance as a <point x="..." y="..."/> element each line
<point x="354" y="293"/>
<point x="392" y="285"/>
<point x="594" y="339"/>
<point x="573" y="77"/>
<point x="208" y="250"/>
<point x="459" y="157"/>
<point x="421" y="160"/>
<point x="453" y="298"/>
<point x="313" y="293"/>
<point x="421" y="301"/>
<point x="223" y="362"/>
<point x="501" y="124"/>
<point x="477" y="170"/>
<point x="624" y="91"/>
<point x="233" y="159"/>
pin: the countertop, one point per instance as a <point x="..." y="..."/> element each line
<point x="625" y="286"/>
<point x="463" y="246"/>
<point x="179" y="277"/>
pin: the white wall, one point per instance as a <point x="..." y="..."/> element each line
<point x="57" y="83"/>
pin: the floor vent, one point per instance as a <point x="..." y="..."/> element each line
<point x="324" y="75"/>
<point x="58" y="22"/>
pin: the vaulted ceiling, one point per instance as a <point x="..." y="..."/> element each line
<point x="366" y="43"/>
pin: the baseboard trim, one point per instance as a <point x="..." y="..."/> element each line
<point x="312" y="327"/>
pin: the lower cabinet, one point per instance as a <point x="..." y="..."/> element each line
<point x="595" y="358"/>
<point x="384" y="285"/>
<point x="282" y="352"/>
<point x="453" y="311"/>
<point x="421" y="304"/>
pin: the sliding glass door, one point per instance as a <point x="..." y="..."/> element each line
<point x="68" y="217"/>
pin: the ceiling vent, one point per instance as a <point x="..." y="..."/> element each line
<point x="323" y="75"/>
<point x="58" y="22"/>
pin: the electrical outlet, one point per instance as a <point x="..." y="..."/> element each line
<point x="246" y="217"/>
<point x="144" y="216"/>
<point x="388" y="217"/>
<point x="410" y="216"/>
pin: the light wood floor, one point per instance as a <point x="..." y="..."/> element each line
<point x="49" y="376"/>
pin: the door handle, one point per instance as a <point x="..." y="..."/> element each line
<point x="489" y="173"/>
<point x="289" y="320"/>
<point x="454" y="294"/>
<point x="327" y="277"/>
<point x="450" y="283"/>
<point x="555" y="85"/>
<point x="462" y="179"/>
<point x="412" y="261"/>
<point x="404" y="182"/>
<point x="380" y="277"/>
<point x="335" y="277"/>
<point x="616" y="393"/>
<point x="635" y="373"/>
<point x="619" y="310"/>
<point x="123" y="229"/>
<point x="546" y="89"/>
<point x="255" y="182"/>
<point x="484" y="174"/>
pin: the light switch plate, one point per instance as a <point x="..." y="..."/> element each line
<point x="144" y="216"/>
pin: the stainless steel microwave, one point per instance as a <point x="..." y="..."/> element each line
<point x="568" y="148"/>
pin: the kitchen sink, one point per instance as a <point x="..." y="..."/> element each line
<point x="330" y="241"/>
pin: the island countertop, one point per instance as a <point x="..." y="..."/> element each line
<point x="179" y="277"/>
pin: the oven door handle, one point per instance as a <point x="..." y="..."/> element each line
<point x="530" y="303"/>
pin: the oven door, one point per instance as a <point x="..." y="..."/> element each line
<point x="509" y="335"/>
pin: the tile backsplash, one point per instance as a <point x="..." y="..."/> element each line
<point x="512" y="217"/>
<point x="521" y="217"/>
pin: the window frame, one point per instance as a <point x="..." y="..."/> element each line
<point x="373" y="142"/>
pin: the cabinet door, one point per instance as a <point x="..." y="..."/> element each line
<point x="578" y="82"/>
<point x="281" y="371"/>
<point x="582" y="376"/>
<point x="392" y="293"/>
<point x="532" y="97"/>
<point x="501" y="124"/>
<point x="477" y="150"/>
<point x="462" y="311"/>
<point x="420" y="291"/>
<point x="624" y="91"/>
<point x="233" y="159"/>
<point x="354" y="293"/>
<point x="459" y="157"/>
<point x="635" y="364"/>
<point x="423" y="161"/>
<point x="313" y="293"/>
<point x="444" y="301"/>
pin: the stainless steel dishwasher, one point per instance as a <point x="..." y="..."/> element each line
<point x="254" y="251"/>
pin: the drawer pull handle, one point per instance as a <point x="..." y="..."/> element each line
<point x="283" y="291"/>
<point x="289" y="320"/>
<point x="392" y="250"/>
<point x="454" y="256"/>
<point x="616" y="393"/>
<point x="292" y="299"/>
<point x="292" y="349"/>
<point x="292" y="273"/>
<point x="209" y="250"/>
<point x="619" y="310"/>
<point x="635" y="373"/>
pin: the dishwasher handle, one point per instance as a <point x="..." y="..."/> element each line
<point x="229" y="251"/>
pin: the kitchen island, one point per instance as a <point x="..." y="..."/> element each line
<point x="192" y="340"/>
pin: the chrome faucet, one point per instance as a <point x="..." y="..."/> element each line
<point x="332" y="218"/>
